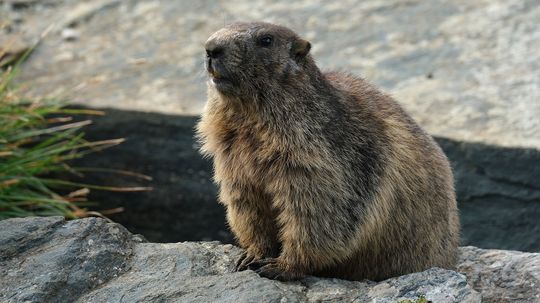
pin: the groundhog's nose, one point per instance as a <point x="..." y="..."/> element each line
<point x="213" y="50"/>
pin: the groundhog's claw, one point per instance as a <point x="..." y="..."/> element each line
<point x="271" y="269"/>
<point x="256" y="264"/>
<point x="244" y="261"/>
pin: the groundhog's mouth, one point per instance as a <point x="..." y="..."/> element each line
<point x="218" y="81"/>
<point x="222" y="84"/>
<point x="216" y="75"/>
<point x="219" y="77"/>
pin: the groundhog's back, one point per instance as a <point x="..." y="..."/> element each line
<point x="413" y="223"/>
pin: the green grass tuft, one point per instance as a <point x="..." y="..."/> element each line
<point x="38" y="138"/>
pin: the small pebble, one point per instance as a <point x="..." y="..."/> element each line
<point x="70" y="34"/>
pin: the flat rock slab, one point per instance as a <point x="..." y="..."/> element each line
<point x="466" y="70"/>
<point x="91" y="260"/>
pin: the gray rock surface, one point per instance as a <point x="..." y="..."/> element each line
<point x="50" y="260"/>
<point x="466" y="70"/>
<point x="91" y="260"/>
<point x="502" y="275"/>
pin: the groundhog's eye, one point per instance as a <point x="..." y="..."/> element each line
<point x="266" y="41"/>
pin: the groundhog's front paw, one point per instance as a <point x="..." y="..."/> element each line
<point x="271" y="268"/>
<point x="245" y="260"/>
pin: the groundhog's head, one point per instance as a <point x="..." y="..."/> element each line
<point x="245" y="58"/>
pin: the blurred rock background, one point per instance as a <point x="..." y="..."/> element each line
<point x="468" y="71"/>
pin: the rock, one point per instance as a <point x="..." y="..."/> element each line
<point x="498" y="194"/>
<point x="466" y="70"/>
<point x="83" y="11"/>
<point x="12" y="49"/>
<point x="91" y="260"/>
<point x="502" y="275"/>
<point x="50" y="260"/>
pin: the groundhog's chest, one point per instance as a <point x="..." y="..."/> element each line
<point x="248" y="154"/>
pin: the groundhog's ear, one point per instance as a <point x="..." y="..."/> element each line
<point x="300" y="48"/>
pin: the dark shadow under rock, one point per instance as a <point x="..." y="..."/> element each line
<point x="498" y="194"/>
<point x="497" y="188"/>
<point x="182" y="206"/>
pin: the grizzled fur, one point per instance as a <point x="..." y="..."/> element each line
<point x="321" y="173"/>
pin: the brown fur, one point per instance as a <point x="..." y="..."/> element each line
<point x="320" y="173"/>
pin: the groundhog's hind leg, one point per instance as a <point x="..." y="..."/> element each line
<point x="252" y="221"/>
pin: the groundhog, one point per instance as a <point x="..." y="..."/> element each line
<point x="320" y="173"/>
